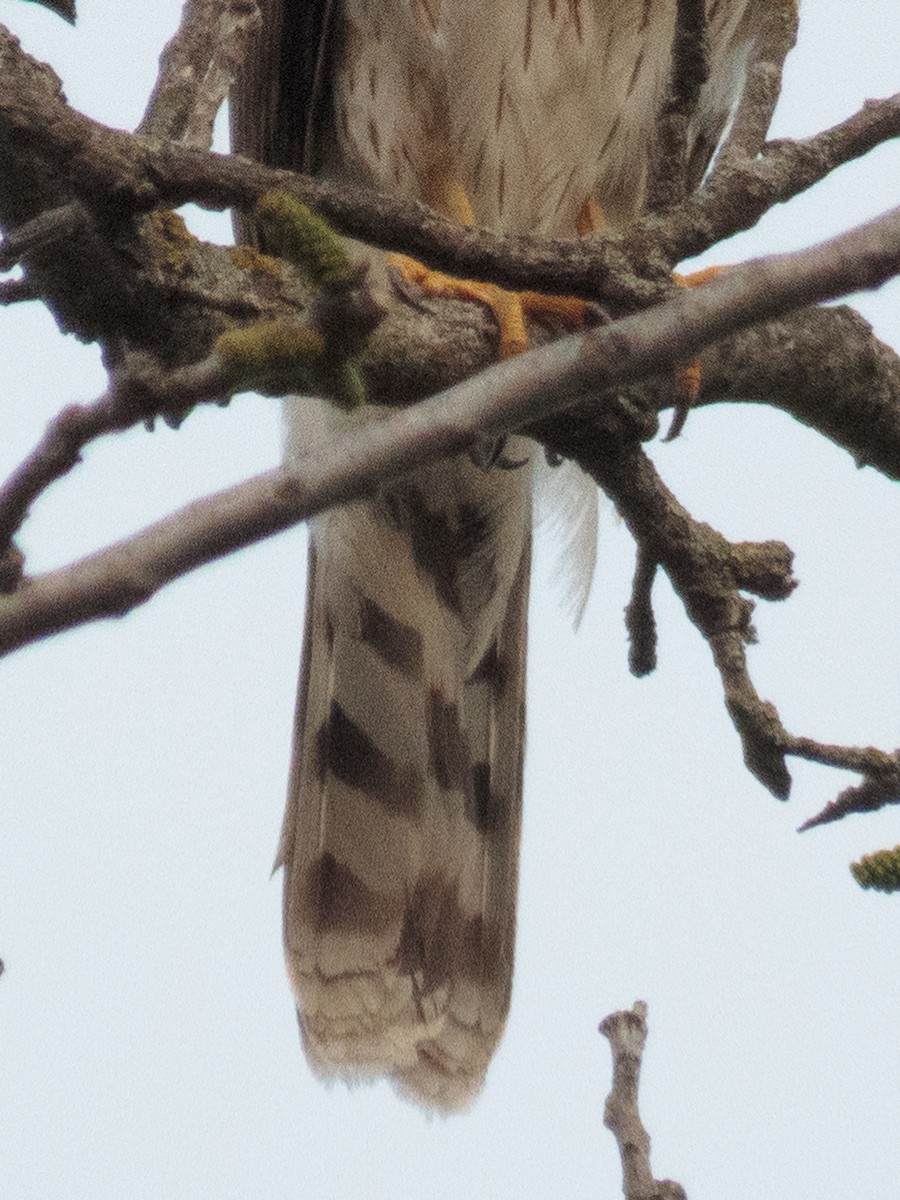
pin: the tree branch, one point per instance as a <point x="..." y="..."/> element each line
<point x="640" y="621"/>
<point x="507" y="396"/>
<point x="197" y="70"/>
<point x="44" y="230"/>
<point x="667" y="184"/>
<point x="139" y="394"/>
<point x="822" y="366"/>
<point x="776" y="35"/>
<point x="880" y="785"/>
<point x="627" y="1035"/>
<point x="51" y="154"/>
<point x="623" y="270"/>
<point x="740" y="191"/>
<point x="15" y="291"/>
<point x="156" y="289"/>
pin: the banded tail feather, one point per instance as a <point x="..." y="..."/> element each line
<point x="400" y="842"/>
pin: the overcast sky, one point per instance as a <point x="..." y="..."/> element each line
<point x="147" y="1038"/>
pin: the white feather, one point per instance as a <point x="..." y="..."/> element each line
<point x="567" y="521"/>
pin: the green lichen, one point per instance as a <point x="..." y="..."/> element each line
<point x="248" y="258"/>
<point x="879" y="871"/>
<point x="293" y="231"/>
<point x="279" y="358"/>
<point x="322" y="356"/>
<point x="272" y="357"/>
<point x="171" y="240"/>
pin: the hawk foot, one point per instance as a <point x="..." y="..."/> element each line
<point x="510" y="309"/>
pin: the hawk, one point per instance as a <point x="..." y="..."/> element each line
<point x="400" y="839"/>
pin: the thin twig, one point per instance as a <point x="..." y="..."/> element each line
<point x="15" y="291"/>
<point x="640" y="621"/>
<point x="736" y="198"/>
<point x="343" y="314"/>
<point x="63" y="8"/>
<point x="135" y="397"/>
<point x="875" y="792"/>
<point x="626" y="1032"/>
<point x="701" y="566"/>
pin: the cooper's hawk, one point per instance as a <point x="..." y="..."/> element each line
<point x="400" y="839"/>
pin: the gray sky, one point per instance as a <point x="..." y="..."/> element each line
<point x="147" y="1036"/>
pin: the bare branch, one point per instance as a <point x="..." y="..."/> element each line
<point x="776" y="35"/>
<point x="197" y="69"/>
<point x="639" y="619"/>
<point x="599" y="268"/>
<point x="319" y="356"/>
<point x="14" y="291"/>
<point x="54" y="157"/>
<point x="823" y="366"/>
<point x="880" y="785"/>
<point x="745" y="189"/>
<point x="63" y="8"/>
<point x="116" y="174"/>
<point x="42" y="231"/>
<point x="138" y="395"/>
<point x="626" y="1032"/>
<point x="865" y="759"/>
<point x="668" y="177"/>
<point x="706" y="571"/>
<point x="622" y="270"/>
<point x="509" y="395"/>
<point x="826" y="368"/>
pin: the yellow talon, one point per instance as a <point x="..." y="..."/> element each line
<point x="507" y="307"/>
<point x="698" y="278"/>
<point x="689" y="379"/>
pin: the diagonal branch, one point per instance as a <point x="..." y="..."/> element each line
<point x="825" y="368"/>
<point x="136" y="396"/>
<point x="707" y="572"/>
<point x="879" y="788"/>
<point x="507" y="396"/>
<point x="743" y="190"/>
